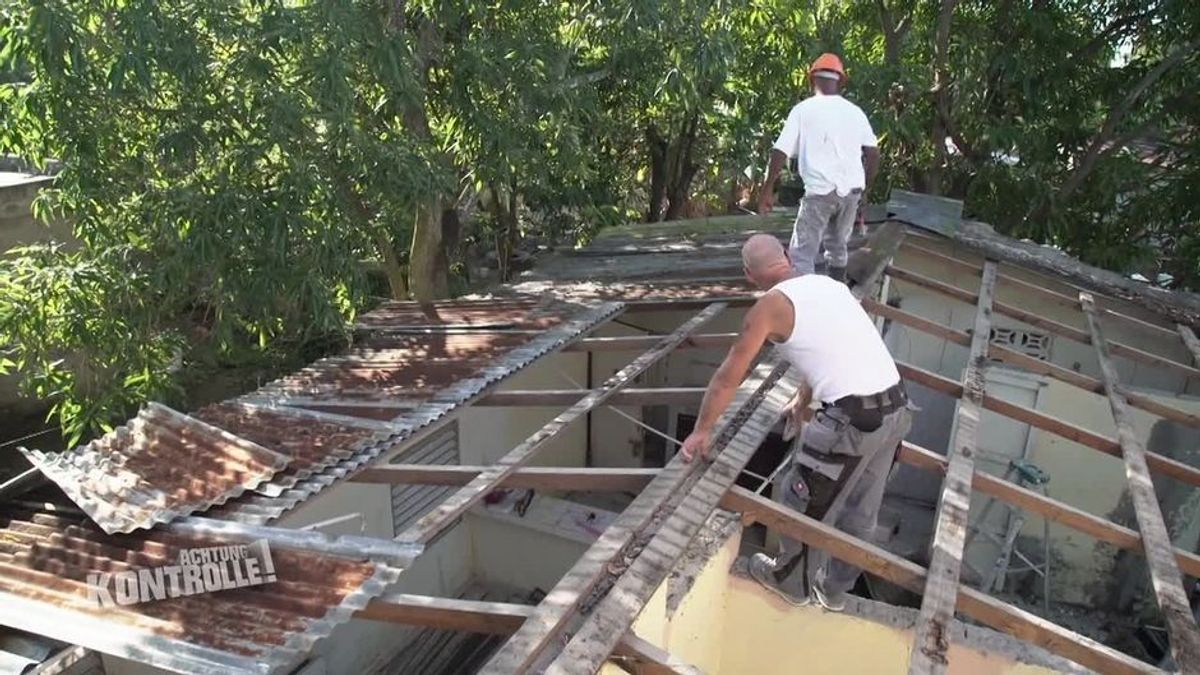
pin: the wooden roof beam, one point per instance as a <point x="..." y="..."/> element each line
<point x="1038" y="321"/>
<point x="931" y="646"/>
<point x="562" y="397"/>
<point x="1072" y="432"/>
<point x="1046" y="507"/>
<point x="1056" y="297"/>
<point x="524" y="478"/>
<point x="1156" y="539"/>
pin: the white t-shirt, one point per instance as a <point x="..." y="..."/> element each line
<point x="833" y="344"/>
<point x="827" y="133"/>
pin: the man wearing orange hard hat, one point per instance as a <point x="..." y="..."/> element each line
<point x="838" y="158"/>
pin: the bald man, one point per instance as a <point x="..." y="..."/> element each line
<point x="851" y="442"/>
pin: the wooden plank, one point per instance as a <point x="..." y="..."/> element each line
<point x="667" y="304"/>
<point x="1038" y="321"/>
<point x="552" y="614"/>
<point x="1156" y="540"/>
<point x="1069" y="431"/>
<point x="593" y="642"/>
<point x="931" y="643"/>
<point x="561" y="397"/>
<point x="1046" y="507"/>
<point x="640" y="342"/>
<point x="448" y="511"/>
<point x="524" y="478"/>
<point x="640" y="657"/>
<point x="973" y="603"/>
<point x="473" y="616"/>
<point x="1054" y="296"/>
<point x="1190" y="341"/>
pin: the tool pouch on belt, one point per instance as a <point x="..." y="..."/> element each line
<point x="823" y="471"/>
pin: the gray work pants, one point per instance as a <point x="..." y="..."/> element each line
<point x="823" y="219"/>
<point x="858" y="511"/>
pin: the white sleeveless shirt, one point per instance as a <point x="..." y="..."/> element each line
<point x="833" y="344"/>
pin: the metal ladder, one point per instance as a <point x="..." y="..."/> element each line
<point x="1031" y="477"/>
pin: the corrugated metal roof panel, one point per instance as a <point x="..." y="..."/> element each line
<point x="45" y="560"/>
<point x="445" y="384"/>
<point x="161" y="465"/>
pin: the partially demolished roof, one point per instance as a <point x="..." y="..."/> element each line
<point x="410" y="371"/>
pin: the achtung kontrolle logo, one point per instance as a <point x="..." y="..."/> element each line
<point x="200" y="570"/>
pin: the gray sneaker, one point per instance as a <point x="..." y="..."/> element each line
<point x="762" y="570"/>
<point x="834" y="601"/>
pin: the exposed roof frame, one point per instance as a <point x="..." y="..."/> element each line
<point x="452" y="508"/>
<point x="1156" y="540"/>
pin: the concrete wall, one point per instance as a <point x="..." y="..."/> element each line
<point x="729" y="625"/>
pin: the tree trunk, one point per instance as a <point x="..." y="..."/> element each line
<point x="392" y="269"/>
<point x="504" y="210"/>
<point x="427" y="277"/>
<point x="941" y="98"/>
<point x="658" y="175"/>
<point x="681" y="170"/>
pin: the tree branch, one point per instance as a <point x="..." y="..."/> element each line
<point x="1101" y="142"/>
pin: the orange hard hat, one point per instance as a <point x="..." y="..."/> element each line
<point x="829" y="62"/>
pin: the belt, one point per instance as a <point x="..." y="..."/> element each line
<point x="887" y="401"/>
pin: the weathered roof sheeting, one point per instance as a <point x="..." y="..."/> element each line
<point x="45" y="560"/>
<point x="161" y="465"/>
<point x="429" y="373"/>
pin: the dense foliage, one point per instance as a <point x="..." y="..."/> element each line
<point x="234" y="169"/>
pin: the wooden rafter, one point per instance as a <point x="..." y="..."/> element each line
<point x="524" y="478"/>
<point x="1061" y="299"/>
<point x="636" y="342"/>
<point x="1038" y="321"/>
<point x="973" y="603"/>
<point x="504" y="618"/>
<point x="932" y="641"/>
<point x="1156" y="540"/>
<point x="562" y="397"/>
<point x="1072" y="432"/>
<point x="458" y="503"/>
<point x="1046" y="507"/>
<point x="553" y="613"/>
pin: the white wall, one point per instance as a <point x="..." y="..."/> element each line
<point x="510" y="555"/>
<point x="488" y="433"/>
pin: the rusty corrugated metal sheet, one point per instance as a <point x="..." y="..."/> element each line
<point x="424" y="376"/>
<point x="161" y="465"/>
<point x="45" y="560"/>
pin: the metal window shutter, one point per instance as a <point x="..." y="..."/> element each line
<point x="410" y="502"/>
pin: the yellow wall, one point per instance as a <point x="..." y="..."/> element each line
<point x="728" y="625"/>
